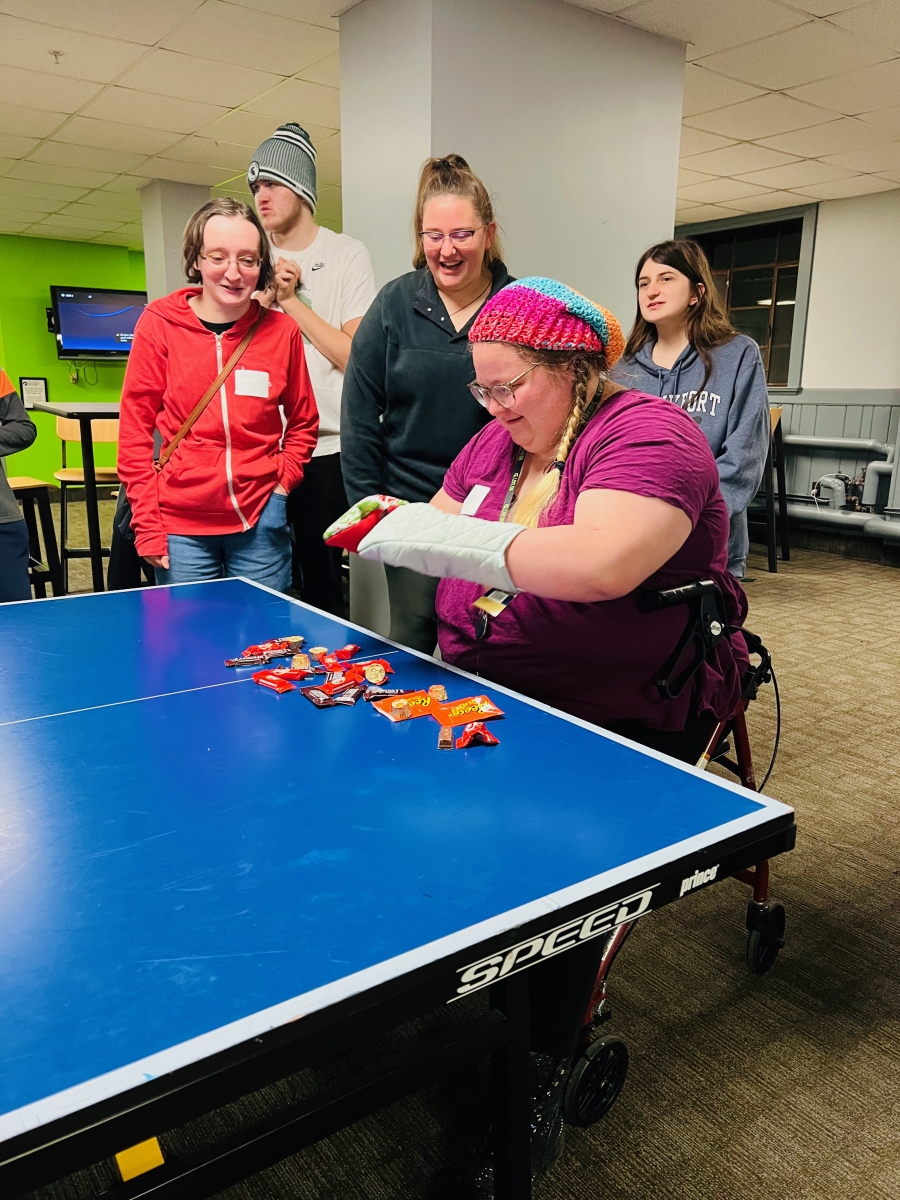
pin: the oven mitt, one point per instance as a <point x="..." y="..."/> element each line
<point x="349" y="530"/>
<point x="443" y="545"/>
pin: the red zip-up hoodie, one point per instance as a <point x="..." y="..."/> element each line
<point x="222" y="473"/>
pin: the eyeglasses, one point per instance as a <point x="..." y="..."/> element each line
<point x="459" y="237"/>
<point x="500" y="393"/>
<point x="245" y="262"/>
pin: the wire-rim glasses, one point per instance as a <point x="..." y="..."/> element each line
<point x="244" y="262"/>
<point x="501" y="393"/>
<point x="459" y="237"/>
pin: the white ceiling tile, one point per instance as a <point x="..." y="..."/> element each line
<point x="876" y="160"/>
<point x="81" y="55"/>
<point x="185" y="77"/>
<point x="706" y="212"/>
<point x="709" y="27"/>
<point x="131" y="241"/>
<point x="797" y="175"/>
<point x="231" y="34"/>
<point x="31" y="122"/>
<point x="894" y="176"/>
<point x="26" y="204"/>
<point x="328" y="161"/>
<point x="40" y="189"/>
<point x="327" y="71"/>
<point x="857" y="185"/>
<point x="767" y="203"/>
<point x="883" y="118"/>
<point x="705" y="90"/>
<point x="602" y="6"/>
<point x="110" y="135"/>
<point x="686" y="177"/>
<point x="823" y="8"/>
<point x="814" y="51"/>
<point x="14" y="146"/>
<point x="125" y="183"/>
<point x="124" y="202"/>
<point x="50" y="173"/>
<point x="236" y="188"/>
<point x="181" y="172"/>
<point x="762" y="117"/>
<point x="145" y="22"/>
<point x="314" y="12"/>
<point x="736" y="160"/>
<point x="36" y="89"/>
<point x="308" y="103"/>
<point x="249" y="129"/>
<point x="696" y="141"/>
<point x="211" y="153"/>
<point x="149" y="111"/>
<point x="878" y="21"/>
<point x="107" y="217"/>
<point x="67" y="234"/>
<point x="854" y="92"/>
<point x="12" y="226"/>
<point x="95" y="224"/>
<point x="844" y="134"/>
<point x="62" y="154"/>
<point x="718" y="190"/>
<point x="329" y="210"/>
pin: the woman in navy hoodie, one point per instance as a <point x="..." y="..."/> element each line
<point x="683" y="347"/>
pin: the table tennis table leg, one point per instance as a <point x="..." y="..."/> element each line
<point x="510" y="1097"/>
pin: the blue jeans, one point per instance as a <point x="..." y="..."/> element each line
<point x="262" y="553"/>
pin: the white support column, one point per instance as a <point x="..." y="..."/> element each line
<point x="165" y="209"/>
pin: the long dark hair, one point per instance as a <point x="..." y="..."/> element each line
<point x="707" y="321"/>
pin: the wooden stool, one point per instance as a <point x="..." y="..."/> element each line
<point x="31" y="491"/>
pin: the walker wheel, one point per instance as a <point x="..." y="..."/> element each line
<point x="595" y="1081"/>
<point x="766" y="925"/>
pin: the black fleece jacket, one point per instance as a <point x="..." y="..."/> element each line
<point x="406" y="411"/>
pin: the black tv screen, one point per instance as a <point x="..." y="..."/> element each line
<point x="95" y="322"/>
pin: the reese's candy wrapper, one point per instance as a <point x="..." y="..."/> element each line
<point x="317" y="697"/>
<point x="349" y="530"/>
<point x="419" y="704"/>
<point x="476" y="733"/>
<point x="458" y="712"/>
<point x="400" y="710"/>
<point x="375" y="672"/>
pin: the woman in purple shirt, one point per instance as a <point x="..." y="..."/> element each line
<point x="577" y="497"/>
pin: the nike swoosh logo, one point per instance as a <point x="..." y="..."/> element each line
<point x="318" y="266"/>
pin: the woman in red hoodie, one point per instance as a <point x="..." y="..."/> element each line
<point x="217" y="506"/>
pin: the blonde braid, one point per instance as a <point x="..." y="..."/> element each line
<point x="528" y="510"/>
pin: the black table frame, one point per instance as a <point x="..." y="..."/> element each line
<point x="52" y="1151"/>
<point x="98" y="412"/>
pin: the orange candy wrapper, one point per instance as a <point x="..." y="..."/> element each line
<point x="461" y="712"/>
<point x="420" y="705"/>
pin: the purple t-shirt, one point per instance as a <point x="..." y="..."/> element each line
<point x="599" y="661"/>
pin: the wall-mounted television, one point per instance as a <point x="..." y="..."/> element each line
<point x="95" y="323"/>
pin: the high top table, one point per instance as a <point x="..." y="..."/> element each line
<point x="85" y="413"/>
<point x="205" y="886"/>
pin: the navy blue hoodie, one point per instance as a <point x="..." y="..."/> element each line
<point x="732" y="409"/>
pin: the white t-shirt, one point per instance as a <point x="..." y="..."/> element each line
<point x="337" y="281"/>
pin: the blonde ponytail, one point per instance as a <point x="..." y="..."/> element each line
<point x="529" y="510"/>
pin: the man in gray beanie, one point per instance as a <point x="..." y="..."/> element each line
<point x="324" y="281"/>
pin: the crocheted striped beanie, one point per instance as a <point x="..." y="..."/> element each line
<point x="287" y="157"/>
<point x="547" y="315"/>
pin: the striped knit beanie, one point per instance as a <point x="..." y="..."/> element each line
<point x="547" y="315"/>
<point x="287" y="157"/>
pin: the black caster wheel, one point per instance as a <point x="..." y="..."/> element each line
<point x="766" y="926"/>
<point x="595" y="1081"/>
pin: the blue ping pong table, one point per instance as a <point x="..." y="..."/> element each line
<point x="205" y="886"/>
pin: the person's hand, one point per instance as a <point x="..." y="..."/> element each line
<point x="265" y="299"/>
<point x="157" y="560"/>
<point x="287" y="279"/>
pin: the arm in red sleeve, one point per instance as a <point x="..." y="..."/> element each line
<point x="142" y="400"/>
<point x="301" y="415"/>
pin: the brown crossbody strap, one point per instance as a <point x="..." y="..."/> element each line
<point x="168" y="451"/>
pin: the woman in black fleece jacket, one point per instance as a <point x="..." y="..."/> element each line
<point x="17" y="432"/>
<point x="406" y="411"/>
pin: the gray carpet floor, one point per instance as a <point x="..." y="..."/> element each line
<point x="780" y="1087"/>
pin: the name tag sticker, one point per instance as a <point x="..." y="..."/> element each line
<point x="251" y="383"/>
<point x="473" y="501"/>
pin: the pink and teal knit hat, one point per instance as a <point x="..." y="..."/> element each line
<point x="547" y="315"/>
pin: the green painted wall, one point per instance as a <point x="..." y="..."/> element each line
<point x="28" y="266"/>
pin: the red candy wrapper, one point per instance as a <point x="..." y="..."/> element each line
<point x="476" y="733"/>
<point x="345" y="652"/>
<point x="270" y="679"/>
<point x="349" y="530"/>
